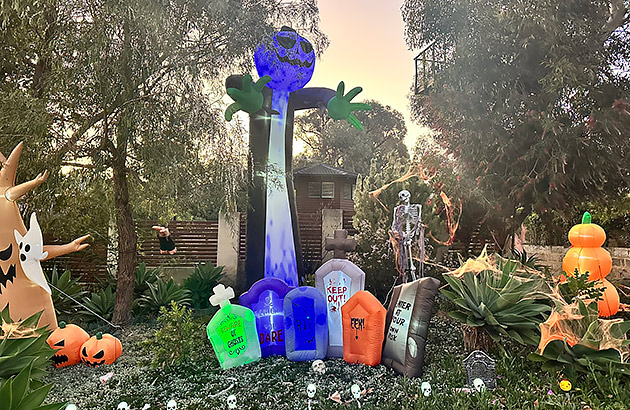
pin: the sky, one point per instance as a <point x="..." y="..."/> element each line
<point x="367" y="49"/>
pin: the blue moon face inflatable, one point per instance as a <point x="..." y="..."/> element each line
<point x="288" y="58"/>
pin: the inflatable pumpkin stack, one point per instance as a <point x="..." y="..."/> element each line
<point x="587" y="255"/>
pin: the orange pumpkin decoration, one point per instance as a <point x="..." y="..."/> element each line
<point x="586" y="253"/>
<point x="101" y="349"/>
<point x="609" y="304"/>
<point x="67" y="341"/>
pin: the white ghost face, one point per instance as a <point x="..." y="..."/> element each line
<point x="171" y="405"/>
<point x="319" y="367"/>
<point x="311" y="389"/>
<point x="404" y="196"/>
<point x="122" y="406"/>
<point x="479" y="385"/>
<point x="426" y="389"/>
<point x="356" y="391"/>
<point x="231" y="402"/>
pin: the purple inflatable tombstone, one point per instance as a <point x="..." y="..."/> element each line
<point x="305" y="324"/>
<point x="338" y="279"/>
<point x="266" y="299"/>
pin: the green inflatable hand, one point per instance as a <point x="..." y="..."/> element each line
<point x="249" y="98"/>
<point x="340" y="107"/>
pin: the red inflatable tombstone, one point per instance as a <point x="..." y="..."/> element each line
<point x="363" y="319"/>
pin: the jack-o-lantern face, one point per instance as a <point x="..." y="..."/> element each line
<point x="288" y="58"/>
<point x="7" y="268"/>
<point x="67" y="341"/>
<point x="101" y="349"/>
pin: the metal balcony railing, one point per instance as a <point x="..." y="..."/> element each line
<point x="431" y="59"/>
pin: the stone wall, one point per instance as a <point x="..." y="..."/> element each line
<point x="552" y="257"/>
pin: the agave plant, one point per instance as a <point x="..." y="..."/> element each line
<point x="144" y="277"/>
<point x="162" y="293"/>
<point x="65" y="291"/>
<point x="200" y="284"/>
<point x="24" y="355"/>
<point x="100" y="303"/>
<point x="498" y="297"/>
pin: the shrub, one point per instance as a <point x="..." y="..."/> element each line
<point x="101" y="303"/>
<point x="200" y="284"/>
<point x="178" y="339"/>
<point x="144" y="277"/>
<point x="161" y="294"/>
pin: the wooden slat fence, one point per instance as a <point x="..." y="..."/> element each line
<point x="310" y="226"/>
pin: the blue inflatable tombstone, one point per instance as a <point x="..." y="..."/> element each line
<point x="305" y="324"/>
<point x="266" y="299"/>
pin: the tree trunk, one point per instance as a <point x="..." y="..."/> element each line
<point x="475" y="338"/>
<point x="127" y="239"/>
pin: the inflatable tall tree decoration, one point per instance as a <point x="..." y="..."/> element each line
<point x="24" y="295"/>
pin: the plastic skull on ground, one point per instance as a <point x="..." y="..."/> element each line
<point x="319" y="367"/>
<point x="123" y="406"/>
<point x="356" y="391"/>
<point x="231" y="402"/>
<point x="425" y="387"/>
<point x="479" y="385"/>
<point x="311" y="389"/>
<point x="71" y="407"/>
<point x="171" y="405"/>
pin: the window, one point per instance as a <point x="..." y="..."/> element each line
<point x="314" y="190"/>
<point x="348" y="191"/>
<point x="328" y="190"/>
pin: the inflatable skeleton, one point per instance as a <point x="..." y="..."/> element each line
<point x="407" y="230"/>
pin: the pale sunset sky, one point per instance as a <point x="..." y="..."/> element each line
<point x="367" y="49"/>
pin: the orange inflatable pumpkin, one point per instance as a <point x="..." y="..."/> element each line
<point x="609" y="303"/>
<point x="101" y="349"/>
<point x="363" y="322"/>
<point x="586" y="253"/>
<point x="67" y="340"/>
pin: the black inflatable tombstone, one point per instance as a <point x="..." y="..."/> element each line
<point x="407" y="325"/>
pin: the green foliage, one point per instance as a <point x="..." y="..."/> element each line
<point x="339" y="144"/>
<point x="162" y="293"/>
<point x="201" y="282"/>
<point x="64" y="305"/>
<point x="178" y="338"/>
<point x="531" y="99"/>
<point x="501" y="302"/>
<point x="101" y="303"/>
<point x="144" y="278"/>
<point x="589" y="354"/>
<point x="372" y="220"/>
<point x="24" y="356"/>
<point x="531" y="261"/>
<point x="577" y="286"/>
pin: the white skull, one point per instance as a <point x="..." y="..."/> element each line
<point x="311" y="389"/>
<point x="171" y="405"/>
<point x="146" y="407"/>
<point x="404" y="196"/>
<point x="71" y="407"/>
<point x="356" y="391"/>
<point x="123" y="406"/>
<point x="479" y="385"/>
<point x="319" y="367"/>
<point x="426" y="389"/>
<point x="231" y="401"/>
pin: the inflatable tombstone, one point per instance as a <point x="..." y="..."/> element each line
<point x="232" y="331"/>
<point x="305" y="324"/>
<point x="338" y="279"/>
<point x="363" y="329"/>
<point x="266" y="299"/>
<point x="407" y="324"/>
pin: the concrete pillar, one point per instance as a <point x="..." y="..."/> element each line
<point x="331" y="219"/>
<point x="228" y="244"/>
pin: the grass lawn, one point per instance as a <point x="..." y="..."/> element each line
<point x="278" y="383"/>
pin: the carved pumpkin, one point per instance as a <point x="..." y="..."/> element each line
<point x="586" y="253"/>
<point x="609" y="303"/>
<point x="101" y="349"/>
<point x="67" y="340"/>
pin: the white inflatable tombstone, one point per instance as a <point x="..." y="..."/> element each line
<point x="338" y="279"/>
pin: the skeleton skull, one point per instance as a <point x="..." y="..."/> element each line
<point x="311" y="389"/>
<point x="426" y="389"/>
<point x="319" y="367"/>
<point x="356" y="391"/>
<point x="479" y="385"/>
<point x="231" y="401"/>
<point x="71" y="407"/>
<point x="171" y="405"/>
<point x="404" y="196"/>
<point x="123" y="406"/>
